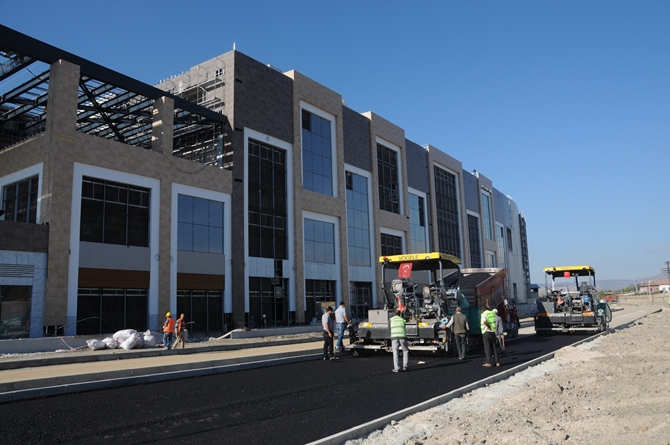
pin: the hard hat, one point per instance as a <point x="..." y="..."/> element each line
<point x="168" y="314"/>
<point x="263" y="315"/>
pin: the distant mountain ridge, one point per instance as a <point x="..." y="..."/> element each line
<point x="622" y="284"/>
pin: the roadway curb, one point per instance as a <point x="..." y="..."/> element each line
<point x="105" y="380"/>
<point x="380" y="423"/>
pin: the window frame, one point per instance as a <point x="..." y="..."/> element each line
<point x="448" y="213"/>
<point x="487" y="214"/>
<point x="307" y="164"/>
<point x="422" y="225"/>
<point x="474" y="230"/>
<point x="113" y="200"/>
<point x="358" y="255"/>
<point x="389" y="189"/>
<point x="20" y="176"/>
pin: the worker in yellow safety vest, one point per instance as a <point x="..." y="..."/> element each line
<point x="399" y="340"/>
<point x="488" y="327"/>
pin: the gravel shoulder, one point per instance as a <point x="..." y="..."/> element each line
<point x="615" y="389"/>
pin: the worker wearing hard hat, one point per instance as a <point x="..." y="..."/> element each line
<point x="168" y="331"/>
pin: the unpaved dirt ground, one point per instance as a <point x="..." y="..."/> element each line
<point x="613" y="390"/>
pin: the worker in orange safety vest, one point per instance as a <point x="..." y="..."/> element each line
<point x="168" y="331"/>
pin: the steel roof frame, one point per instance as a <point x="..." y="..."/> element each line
<point x="110" y="104"/>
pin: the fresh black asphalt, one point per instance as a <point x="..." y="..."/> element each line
<point x="287" y="404"/>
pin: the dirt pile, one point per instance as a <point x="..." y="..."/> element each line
<point x="613" y="390"/>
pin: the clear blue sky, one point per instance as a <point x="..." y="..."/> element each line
<point x="565" y="105"/>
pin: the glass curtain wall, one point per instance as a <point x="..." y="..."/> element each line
<point x="268" y="296"/>
<point x="387" y="171"/>
<point x="417" y="224"/>
<point x="318" y="295"/>
<point x="475" y="242"/>
<point x="109" y="310"/>
<point x="202" y="309"/>
<point x="317" y="154"/>
<point x="15" y="311"/>
<point x="446" y="201"/>
<point x="19" y="200"/>
<point x="358" y="221"/>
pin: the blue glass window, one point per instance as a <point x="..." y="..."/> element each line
<point x="358" y="220"/>
<point x="199" y="225"/>
<point x="317" y="154"/>
<point x="319" y="241"/>
<point x="417" y="224"/>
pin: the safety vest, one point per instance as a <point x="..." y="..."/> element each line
<point x="180" y="325"/>
<point x="168" y="326"/>
<point x="489" y="316"/>
<point x="398" y="327"/>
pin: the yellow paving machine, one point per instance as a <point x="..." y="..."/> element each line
<point x="425" y="287"/>
<point x="567" y="310"/>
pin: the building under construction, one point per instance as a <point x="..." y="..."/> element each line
<point x="226" y="192"/>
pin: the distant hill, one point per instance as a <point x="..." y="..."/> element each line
<point x="622" y="284"/>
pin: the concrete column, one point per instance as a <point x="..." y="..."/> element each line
<point x="162" y="130"/>
<point x="62" y="98"/>
<point x="61" y="133"/>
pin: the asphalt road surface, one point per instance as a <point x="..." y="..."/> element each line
<point x="286" y="404"/>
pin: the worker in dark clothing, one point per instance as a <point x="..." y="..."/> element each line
<point x="180" y="327"/>
<point x="328" y="334"/>
<point x="460" y="328"/>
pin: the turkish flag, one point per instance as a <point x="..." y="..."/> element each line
<point x="405" y="270"/>
<point x="566" y="274"/>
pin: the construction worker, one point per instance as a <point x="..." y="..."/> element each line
<point x="500" y="330"/>
<point x="328" y="333"/>
<point x="399" y="340"/>
<point x="168" y="331"/>
<point x="342" y="322"/>
<point x="461" y="327"/>
<point x="488" y="328"/>
<point x="181" y="328"/>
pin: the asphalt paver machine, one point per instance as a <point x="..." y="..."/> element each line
<point x="425" y="287"/>
<point x="566" y="310"/>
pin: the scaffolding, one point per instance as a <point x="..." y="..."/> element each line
<point x="203" y="85"/>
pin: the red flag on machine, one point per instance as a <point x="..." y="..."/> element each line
<point x="405" y="270"/>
